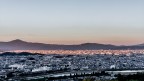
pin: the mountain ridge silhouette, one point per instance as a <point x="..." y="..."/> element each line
<point x="18" y="44"/>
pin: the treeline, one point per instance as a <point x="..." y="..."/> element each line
<point x="134" y="77"/>
<point x="75" y="77"/>
<point x="33" y="74"/>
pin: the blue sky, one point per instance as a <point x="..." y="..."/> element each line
<point x="73" y="21"/>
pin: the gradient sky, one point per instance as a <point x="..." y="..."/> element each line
<point x="116" y="22"/>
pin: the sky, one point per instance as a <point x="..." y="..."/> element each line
<point x="118" y="22"/>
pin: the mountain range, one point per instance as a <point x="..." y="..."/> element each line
<point x="23" y="45"/>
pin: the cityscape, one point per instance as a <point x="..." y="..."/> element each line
<point x="71" y="40"/>
<point x="87" y="52"/>
<point x="26" y="66"/>
<point x="30" y="61"/>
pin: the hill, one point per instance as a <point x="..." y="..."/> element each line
<point x="23" y="45"/>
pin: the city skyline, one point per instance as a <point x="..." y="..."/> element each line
<point x="73" y="22"/>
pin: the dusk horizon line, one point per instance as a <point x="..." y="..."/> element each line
<point x="70" y="44"/>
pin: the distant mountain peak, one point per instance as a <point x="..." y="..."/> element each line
<point x="95" y="44"/>
<point x="141" y="44"/>
<point x="89" y="44"/>
<point x="18" y="44"/>
<point x="17" y="41"/>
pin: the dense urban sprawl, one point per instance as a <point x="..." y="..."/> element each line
<point x="71" y="63"/>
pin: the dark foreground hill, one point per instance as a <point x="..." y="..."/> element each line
<point x="23" y="45"/>
<point x="18" y="54"/>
